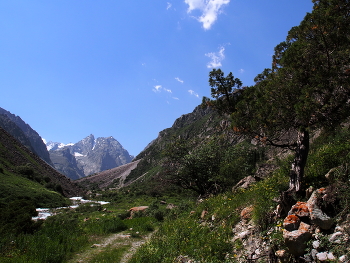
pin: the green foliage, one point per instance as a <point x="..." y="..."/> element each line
<point x="327" y="152"/>
<point x="56" y="239"/>
<point x="16" y="217"/>
<point x="223" y="91"/>
<point x="14" y="187"/>
<point x="240" y="161"/>
<point x="209" y="166"/>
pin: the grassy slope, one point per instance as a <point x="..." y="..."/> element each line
<point x="208" y="238"/>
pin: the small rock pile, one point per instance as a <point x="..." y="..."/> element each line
<point x="306" y="222"/>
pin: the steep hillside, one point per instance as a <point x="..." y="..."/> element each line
<point x="36" y="143"/>
<point x="16" y="159"/>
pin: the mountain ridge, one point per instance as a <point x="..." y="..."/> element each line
<point x="37" y="145"/>
<point x="88" y="156"/>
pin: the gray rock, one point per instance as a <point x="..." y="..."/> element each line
<point x="317" y="216"/>
<point x="296" y="240"/>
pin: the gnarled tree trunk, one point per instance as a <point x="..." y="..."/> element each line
<point x="298" y="166"/>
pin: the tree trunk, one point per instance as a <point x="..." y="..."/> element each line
<point x="298" y="165"/>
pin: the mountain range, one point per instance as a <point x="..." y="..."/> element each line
<point x="89" y="156"/>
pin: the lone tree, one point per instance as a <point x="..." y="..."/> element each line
<point x="307" y="87"/>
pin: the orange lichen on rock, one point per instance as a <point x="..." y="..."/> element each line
<point x="291" y="222"/>
<point x="300" y="209"/>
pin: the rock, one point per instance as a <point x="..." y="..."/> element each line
<point x="244" y="183"/>
<point x="171" y="206"/>
<point x="335" y="237"/>
<point x="300" y="209"/>
<point x="343" y="258"/>
<point x="325" y="256"/>
<point x="309" y="192"/>
<point x="136" y="209"/>
<point x="246" y="213"/>
<point x="183" y="259"/>
<point x="296" y="240"/>
<point x="291" y="222"/>
<point x="243" y="234"/>
<point x="317" y="216"/>
<point x="282" y="255"/>
<point x="96" y="245"/>
<point x="331" y="174"/>
<point x="316" y="244"/>
<point x="330" y="256"/>
<point x="322" y="256"/>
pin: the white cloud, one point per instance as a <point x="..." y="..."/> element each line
<point x="241" y="71"/>
<point x="168" y="6"/>
<point x="193" y="93"/>
<point x="216" y="58"/>
<point x="175" y="98"/>
<point x="179" y="80"/>
<point x="168" y="90"/>
<point x="210" y="10"/>
<point x="157" y="88"/>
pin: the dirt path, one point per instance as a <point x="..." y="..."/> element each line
<point x="115" y="241"/>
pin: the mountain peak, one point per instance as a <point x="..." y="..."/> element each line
<point x="92" y="155"/>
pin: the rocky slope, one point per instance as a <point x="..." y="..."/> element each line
<point x="88" y="156"/>
<point x="33" y="141"/>
<point x="114" y="177"/>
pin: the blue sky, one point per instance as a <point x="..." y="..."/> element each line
<point x="128" y="69"/>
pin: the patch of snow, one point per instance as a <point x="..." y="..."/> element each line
<point x="76" y="154"/>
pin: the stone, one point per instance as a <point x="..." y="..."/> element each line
<point x="330" y="256"/>
<point x="244" y="234"/>
<point x="317" y="216"/>
<point x="291" y="222"/>
<point x="316" y="244"/>
<point x="296" y="240"/>
<point x="244" y="183"/>
<point x="343" y="258"/>
<point x="335" y="237"/>
<point x="171" y="206"/>
<point x="300" y="209"/>
<point x="246" y="213"/>
<point x="322" y="256"/>
<point x="136" y="209"/>
<point x="282" y="255"/>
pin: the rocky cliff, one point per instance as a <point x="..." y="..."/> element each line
<point x="36" y="144"/>
<point x="88" y="156"/>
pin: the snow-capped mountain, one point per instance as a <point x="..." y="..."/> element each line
<point x="56" y="145"/>
<point x="88" y="156"/>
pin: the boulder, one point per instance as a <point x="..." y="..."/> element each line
<point x="244" y="183"/>
<point x="247" y="213"/>
<point x="317" y="216"/>
<point x="296" y="240"/>
<point x="300" y="209"/>
<point x="291" y="223"/>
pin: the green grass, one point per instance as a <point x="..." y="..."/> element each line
<point x="110" y="254"/>
<point x="13" y="187"/>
